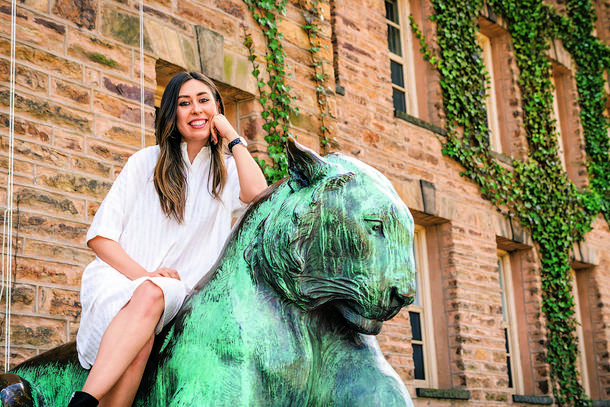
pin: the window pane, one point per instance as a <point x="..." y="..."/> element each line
<point x="510" y="373"/>
<point x="416" y="300"/>
<point x="415" y="325"/>
<point x="418" y="359"/>
<point x="398" y="77"/>
<point x="398" y="97"/>
<point x="394" y="40"/>
<point x="391" y="11"/>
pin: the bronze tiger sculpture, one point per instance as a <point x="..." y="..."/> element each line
<point x="288" y="315"/>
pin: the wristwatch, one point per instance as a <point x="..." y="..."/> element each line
<point x="238" y="140"/>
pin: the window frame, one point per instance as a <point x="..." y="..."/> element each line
<point x="581" y="359"/>
<point x="510" y="323"/>
<point x="491" y="101"/>
<point x="407" y="59"/>
<point x="424" y="308"/>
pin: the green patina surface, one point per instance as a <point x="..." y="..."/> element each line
<point x="288" y="316"/>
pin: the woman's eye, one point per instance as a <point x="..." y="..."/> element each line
<point x="184" y="103"/>
<point x="203" y="100"/>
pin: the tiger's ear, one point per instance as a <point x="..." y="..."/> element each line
<point x="305" y="166"/>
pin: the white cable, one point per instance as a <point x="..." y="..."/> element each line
<point x="7" y="237"/>
<point x="142" y="112"/>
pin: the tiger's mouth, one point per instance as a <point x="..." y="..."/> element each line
<point x="367" y="326"/>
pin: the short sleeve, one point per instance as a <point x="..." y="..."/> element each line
<point x="233" y="188"/>
<point x="110" y="217"/>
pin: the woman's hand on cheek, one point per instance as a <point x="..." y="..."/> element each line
<point x="222" y="128"/>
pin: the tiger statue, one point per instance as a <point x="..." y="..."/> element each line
<point x="288" y="315"/>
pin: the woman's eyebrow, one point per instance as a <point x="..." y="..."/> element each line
<point x="199" y="94"/>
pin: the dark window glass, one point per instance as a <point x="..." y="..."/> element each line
<point x="391" y="11"/>
<point x="394" y="42"/>
<point x="415" y="326"/>
<point x="508" y="364"/>
<point x="418" y="359"/>
<point x="397" y="74"/>
<point x="510" y="373"/>
<point x="398" y="97"/>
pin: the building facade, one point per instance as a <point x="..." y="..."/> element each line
<point x="88" y="75"/>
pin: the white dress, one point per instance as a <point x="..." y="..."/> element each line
<point x="131" y="215"/>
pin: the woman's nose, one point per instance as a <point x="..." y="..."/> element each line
<point x="197" y="107"/>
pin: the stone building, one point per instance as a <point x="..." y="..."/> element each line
<point x="89" y="73"/>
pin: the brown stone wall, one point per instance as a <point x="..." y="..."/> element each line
<point x="78" y="113"/>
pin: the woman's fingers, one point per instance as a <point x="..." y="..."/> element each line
<point x="167" y="272"/>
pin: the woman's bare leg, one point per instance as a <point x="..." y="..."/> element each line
<point x="126" y="336"/>
<point x="124" y="391"/>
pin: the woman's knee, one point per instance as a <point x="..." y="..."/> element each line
<point x="148" y="298"/>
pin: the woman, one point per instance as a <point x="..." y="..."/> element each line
<point x="159" y="230"/>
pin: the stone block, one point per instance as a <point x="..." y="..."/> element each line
<point x="211" y="52"/>
<point x="92" y="167"/>
<point x="71" y="92"/>
<point x="211" y="19"/>
<point x="28" y="129"/>
<point x="123" y="27"/>
<point x="68" y="141"/>
<point x="48" y="227"/>
<point x="37" y="331"/>
<point x="110" y="105"/>
<point x="174" y="45"/>
<point x="52" y="251"/>
<point x="232" y="7"/>
<point x="104" y="54"/>
<point x="103" y="150"/>
<point x="48" y="111"/>
<point x="22" y="298"/>
<point x="44" y="60"/>
<point x="119" y="132"/>
<point x="190" y="53"/>
<point x="59" y="302"/>
<point x="73" y="184"/>
<point x="83" y="13"/>
<point x="157" y="39"/>
<point x="129" y="90"/>
<point x="40" y="153"/>
<point x="25" y="77"/>
<point x="50" y="202"/>
<point x="32" y="28"/>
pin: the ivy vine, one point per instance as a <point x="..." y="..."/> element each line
<point x="537" y="191"/>
<point x="274" y="93"/>
<point x="313" y="15"/>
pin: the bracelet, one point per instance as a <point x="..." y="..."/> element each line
<point x="234" y="143"/>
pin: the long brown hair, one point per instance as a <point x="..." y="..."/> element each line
<point x="170" y="171"/>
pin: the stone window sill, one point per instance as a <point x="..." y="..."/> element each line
<point x="450" y="394"/>
<point x="419" y="122"/>
<point x="539" y="400"/>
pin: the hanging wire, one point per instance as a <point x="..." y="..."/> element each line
<point x="142" y="112"/>
<point x="7" y="236"/>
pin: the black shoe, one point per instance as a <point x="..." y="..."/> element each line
<point x="82" y="399"/>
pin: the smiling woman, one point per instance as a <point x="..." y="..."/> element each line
<point x="158" y="231"/>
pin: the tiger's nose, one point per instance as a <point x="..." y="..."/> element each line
<point x="402" y="296"/>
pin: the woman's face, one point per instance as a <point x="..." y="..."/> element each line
<point x="196" y="107"/>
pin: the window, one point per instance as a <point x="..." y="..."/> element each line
<point x="491" y="103"/>
<point x="581" y="357"/>
<point x="513" y="364"/>
<point x="559" y="113"/>
<point x="420" y="317"/>
<point x="401" y="56"/>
